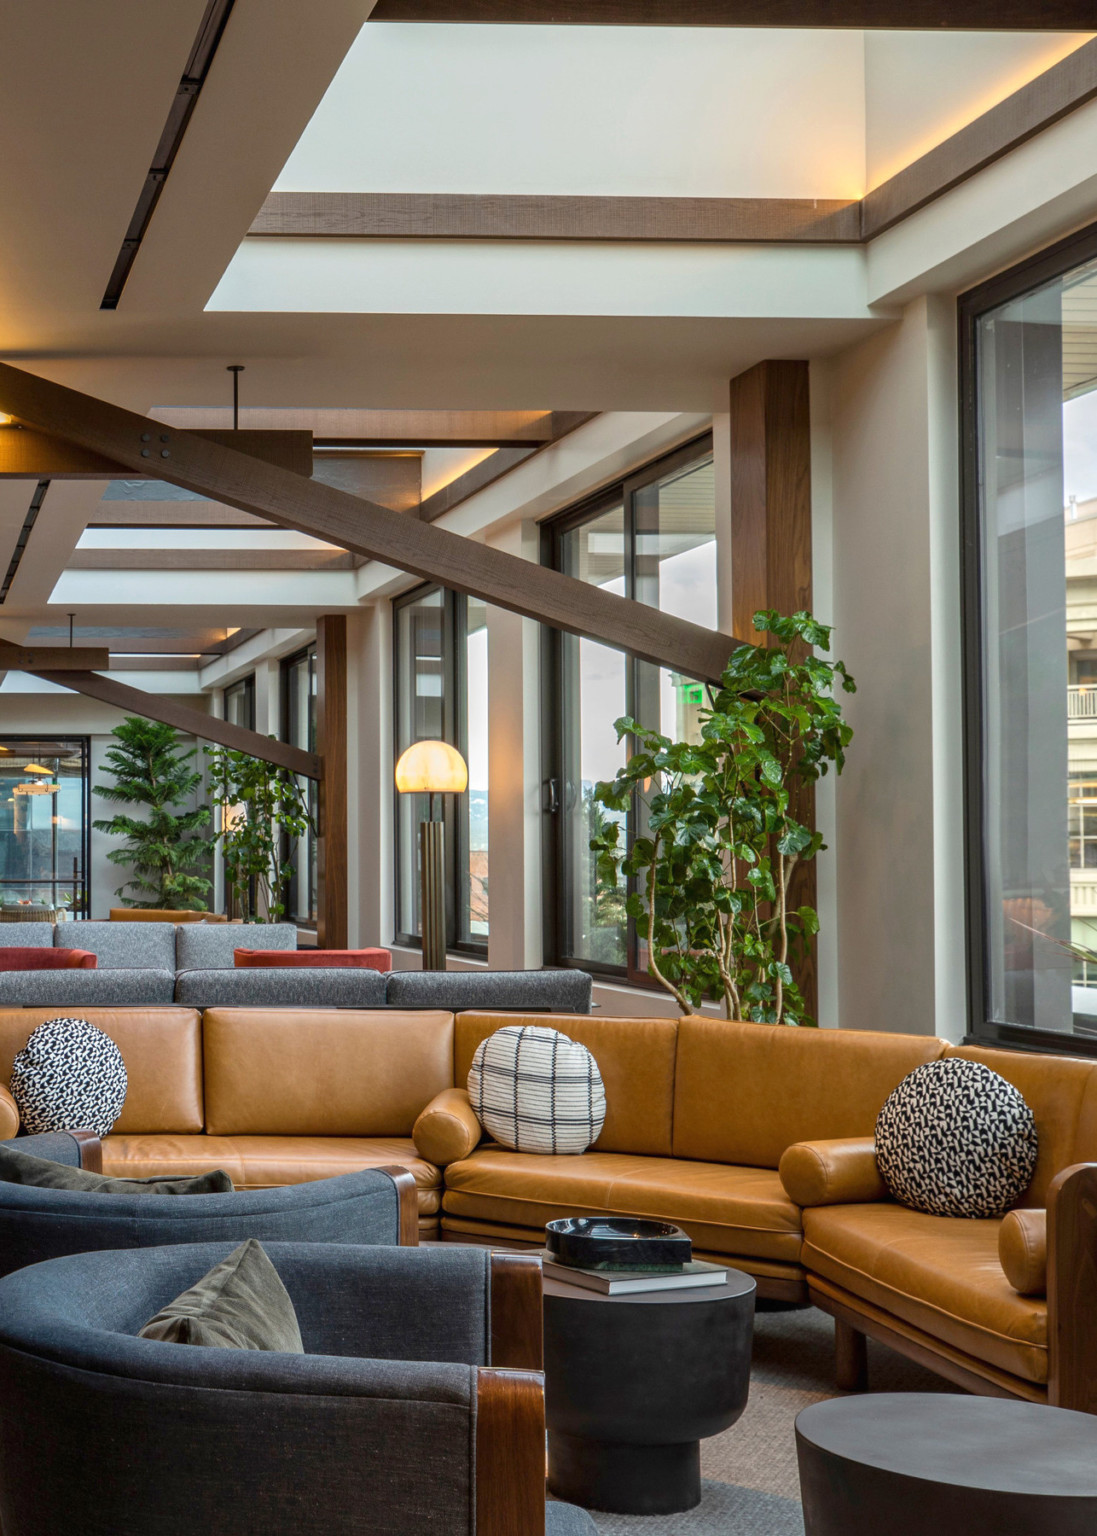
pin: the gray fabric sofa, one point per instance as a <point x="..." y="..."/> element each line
<point x="38" y="1224"/>
<point x="192" y="963"/>
<point x="394" y="1419"/>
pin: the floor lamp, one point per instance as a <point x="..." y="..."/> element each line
<point x="432" y="768"/>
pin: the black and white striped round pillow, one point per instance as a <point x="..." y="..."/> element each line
<point x="69" y="1076"/>
<point x="956" y="1139"/>
<point x="535" y="1090"/>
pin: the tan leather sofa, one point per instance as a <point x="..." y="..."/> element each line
<point x="757" y="1140"/>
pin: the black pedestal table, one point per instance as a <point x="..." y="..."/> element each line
<point x="634" y="1383"/>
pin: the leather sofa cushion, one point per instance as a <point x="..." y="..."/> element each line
<point x="266" y="1162"/>
<point x="162" y="1050"/>
<point x="323" y="1072"/>
<point x="40" y="958"/>
<point x="1022" y="1249"/>
<point x="329" y="959"/>
<point x="745" y="1092"/>
<point x="725" y="1210"/>
<point x="1055" y="1089"/>
<point x="9" y="1115"/>
<point x="634" y="1056"/>
<point x="941" y="1274"/>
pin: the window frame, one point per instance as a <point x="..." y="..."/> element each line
<point x="556" y="920"/>
<point x="1025" y="277"/>
<point x="82" y="744"/>
<point x="455" y="808"/>
<point x="307" y="653"/>
<point x="243" y="687"/>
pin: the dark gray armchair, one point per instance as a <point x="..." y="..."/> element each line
<point x="374" y="1205"/>
<point x="405" y="1416"/>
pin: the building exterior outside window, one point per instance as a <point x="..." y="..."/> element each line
<point x="652" y="538"/>
<point x="44" y="824"/>
<point x="441" y="693"/>
<point x="1030" y="439"/>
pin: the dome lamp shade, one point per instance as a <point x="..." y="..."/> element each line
<point x="431" y="767"/>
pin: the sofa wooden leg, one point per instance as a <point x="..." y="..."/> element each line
<point x="850" y="1357"/>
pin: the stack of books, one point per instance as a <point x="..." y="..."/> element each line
<point x="631" y="1282"/>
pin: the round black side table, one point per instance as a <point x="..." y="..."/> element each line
<point x="634" y="1383"/>
<point x="932" y="1464"/>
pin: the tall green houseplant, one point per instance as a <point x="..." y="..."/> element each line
<point x="261" y="807"/>
<point x="718" y="834"/>
<point x="162" y="847"/>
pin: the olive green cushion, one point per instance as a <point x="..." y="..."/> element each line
<point x="21" y="1168"/>
<point x="240" y="1304"/>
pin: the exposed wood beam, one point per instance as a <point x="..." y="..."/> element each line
<point x="468" y="216"/>
<point x="892" y="15"/>
<point x="36" y="455"/>
<point x="348" y="427"/>
<point x="28" y="658"/>
<point x="1039" y="104"/>
<point x="1028" y="111"/>
<point x="135" y="701"/>
<point x="332" y="915"/>
<point x="352" y="523"/>
<point x="771" y="565"/>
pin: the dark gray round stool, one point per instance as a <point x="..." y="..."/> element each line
<point x="633" y="1384"/>
<point x="932" y="1464"/>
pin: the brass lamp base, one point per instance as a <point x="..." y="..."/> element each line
<point x="432" y="866"/>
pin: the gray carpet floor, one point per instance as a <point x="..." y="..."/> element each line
<point x="750" y="1485"/>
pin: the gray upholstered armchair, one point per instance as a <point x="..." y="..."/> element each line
<point x="410" y="1412"/>
<point x="373" y="1205"/>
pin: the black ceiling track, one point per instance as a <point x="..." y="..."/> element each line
<point x="209" y="34"/>
<point x="24" y="535"/>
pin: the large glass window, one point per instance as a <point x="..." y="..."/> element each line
<point x="652" y="538"/>
<point x="441" y="693"/>
<point x="240" y="702"/>
<point x="1030" y="354"/>
<point x="43" y="825"/>
<point x="299" y="728"/>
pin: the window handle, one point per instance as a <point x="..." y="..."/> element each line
<point x="551" y="802"/>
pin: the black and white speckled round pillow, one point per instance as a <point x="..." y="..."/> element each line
<point x="955" y="1139"/>
<point x="69" y="1076"/>
<point x="536" y="1090"/>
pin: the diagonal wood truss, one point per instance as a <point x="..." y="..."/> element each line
<point x="291" y="501"/>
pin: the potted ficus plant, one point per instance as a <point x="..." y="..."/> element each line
<point x="717" y="835"/>
<point x="262" y="806"/>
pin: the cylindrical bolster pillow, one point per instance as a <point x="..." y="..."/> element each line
<point x="9" y="1115"/>
<point x="448" y="1129"/>
<point x="832" y="1172"/>
<point x="1022" y="1249"/>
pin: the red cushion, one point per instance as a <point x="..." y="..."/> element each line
<point x="331" y="959"/>
<point x="24" y="958"/>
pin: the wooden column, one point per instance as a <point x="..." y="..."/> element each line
<point x="331" y="742"/>
<point x="771" y="536"/>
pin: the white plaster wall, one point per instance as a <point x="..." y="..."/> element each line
<point x="898" y="853"/>
<point x="922" y="86"/>
<point x="700" y="112"/>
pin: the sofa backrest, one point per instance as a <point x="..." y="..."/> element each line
<point x="1061" y="1091"/>
<point x="323" y="1072"/>
<point x="555" y="991"/>
<point x="745" y="1092"/>
<point x="162" y="1050"/>
<point x="122" y="946"/>
<point x="28" y="935"/>
<point x="635" y="1058"/>
<point x="209" y="946"/>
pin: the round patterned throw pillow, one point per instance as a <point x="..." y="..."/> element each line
<point x="535" y="1090"/>
<point x="955" y="1139"/>
<point x="69" y="1076"/>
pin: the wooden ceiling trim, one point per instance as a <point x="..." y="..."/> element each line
<point x="464" y="216"/>
<point x="212" y="560"/>
<point x="1051" y="96"/>
<point x="27" y="453"/>
<point x="363" y="528"/>
<point x="880" y="15"/>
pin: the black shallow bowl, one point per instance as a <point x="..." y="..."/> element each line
<point x="617" y="1242"/>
